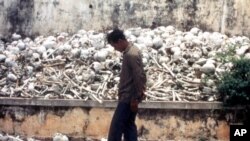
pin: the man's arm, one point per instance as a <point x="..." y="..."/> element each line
<point x="139" y="76"/>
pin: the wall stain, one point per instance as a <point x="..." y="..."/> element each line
<point x="56" y="3"/>
<point x="171" y="5"/>
<point x="167" y="18"/>
<point x="90" y="6"/>
<point x="190" y="9"/>
<point x="2" y="3"/>
<point x="231" y="17"/>
<point x="20" y="16"/>
<point x="129" y="8"/>
<point x="115" y="15"/>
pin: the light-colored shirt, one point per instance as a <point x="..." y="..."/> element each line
<point x="132" y="77"/>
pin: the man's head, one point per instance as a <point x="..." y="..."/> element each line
<point x="117" y="39"/>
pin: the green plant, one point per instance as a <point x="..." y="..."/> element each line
<point x="234" y="86"/>
<point x="228" y="54"/>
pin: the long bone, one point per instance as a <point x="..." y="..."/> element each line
<point x="91" y="93"/>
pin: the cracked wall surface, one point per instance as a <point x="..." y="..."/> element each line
<point x="152" y="124"/>
<point x="35" y="17"/>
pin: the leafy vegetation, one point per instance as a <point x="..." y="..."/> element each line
<point x="229" y="54"/>
<point x="234" y="85"/>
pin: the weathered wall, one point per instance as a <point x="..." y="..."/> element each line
<point x="94" y="122"/>
<point x="32" y="17"/>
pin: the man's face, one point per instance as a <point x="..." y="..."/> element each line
<point x="117" y="46"/>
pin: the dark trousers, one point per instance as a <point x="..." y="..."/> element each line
<point x="123" y="122"/>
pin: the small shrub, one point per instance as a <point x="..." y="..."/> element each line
<point x="234" y="85"/>
<point x="228" y="54"/>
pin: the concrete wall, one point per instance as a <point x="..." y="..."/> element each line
<point x="32" y="17"/>
<point x="152" y="124"/>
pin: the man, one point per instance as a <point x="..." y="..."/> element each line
<point x="131" y="88"/>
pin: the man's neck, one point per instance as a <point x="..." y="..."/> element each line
<point x="126" y="48"/>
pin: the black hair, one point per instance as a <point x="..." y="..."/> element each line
<point x="115" y="36"/>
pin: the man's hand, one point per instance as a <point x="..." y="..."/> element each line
<point x="142" y="96"/>
<point x="134" y="105"/>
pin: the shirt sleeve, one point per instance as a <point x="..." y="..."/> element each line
<point x="138" y="74"/>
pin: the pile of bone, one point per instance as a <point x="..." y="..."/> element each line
<point x="56" y="137"/>
<point x="14" y="138"/>
<point x="180" y="66"/>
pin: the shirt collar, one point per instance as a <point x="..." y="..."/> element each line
<point x="127" y="49"/>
